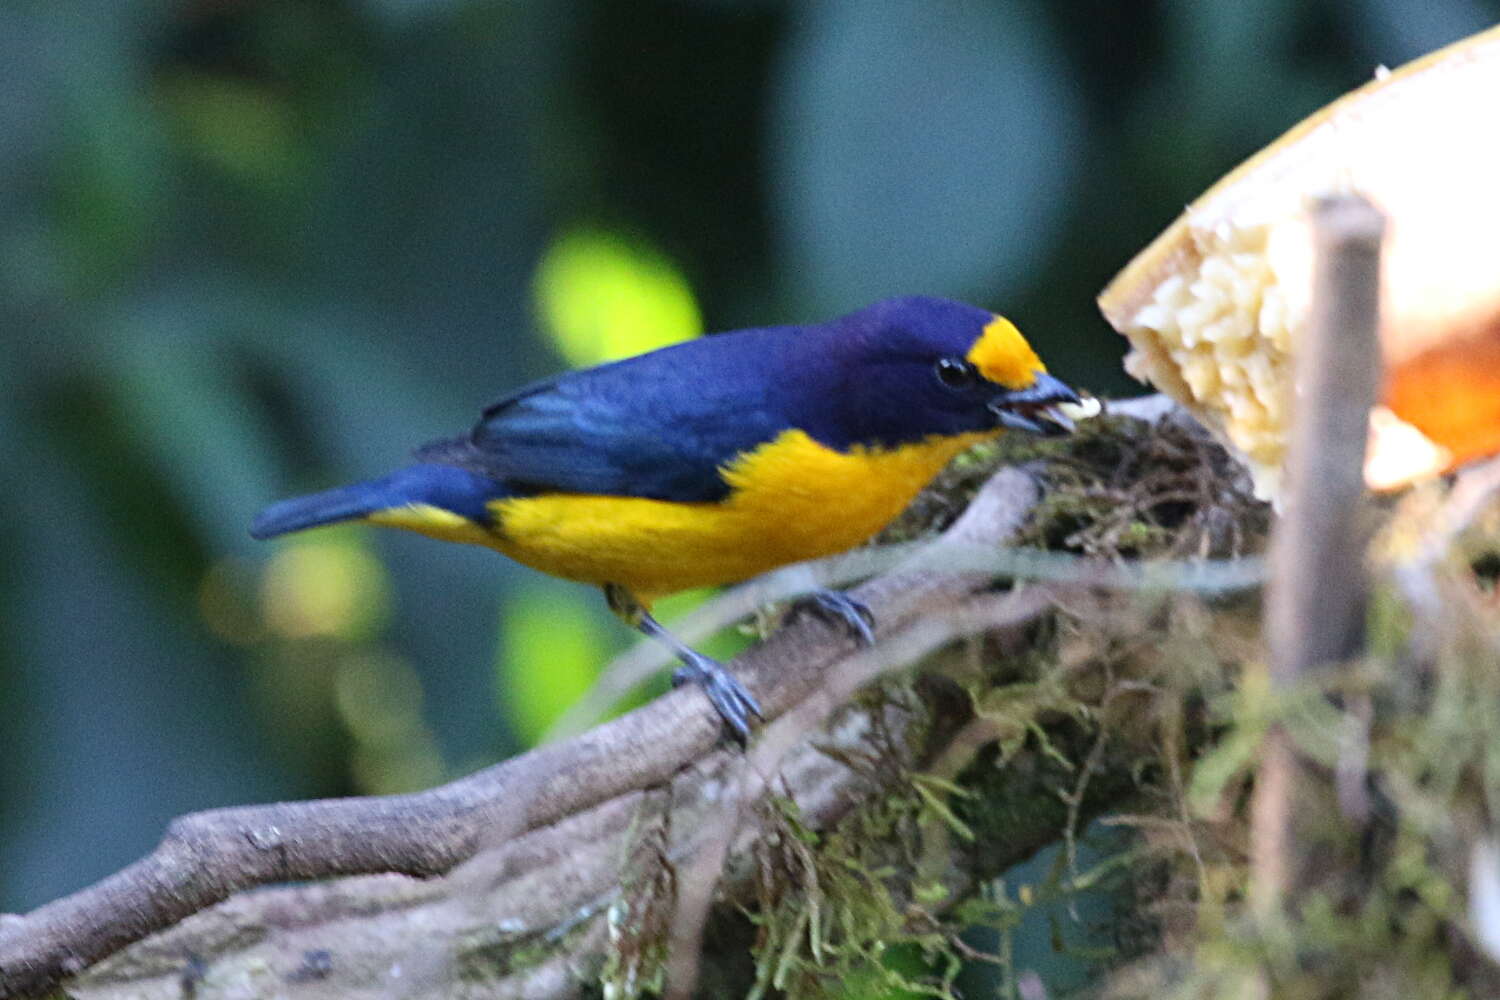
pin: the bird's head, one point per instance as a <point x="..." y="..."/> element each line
<point x="926" y="366"/>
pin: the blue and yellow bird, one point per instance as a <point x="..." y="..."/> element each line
<point x="714" y="460"/>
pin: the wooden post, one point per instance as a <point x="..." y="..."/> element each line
<point x="1316" y="596"/>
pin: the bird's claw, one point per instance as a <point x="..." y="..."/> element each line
<point x="731" y="699"/>
<point x="838" y="607"/>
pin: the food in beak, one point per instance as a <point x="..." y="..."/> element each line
<point x="1036" y="408"/>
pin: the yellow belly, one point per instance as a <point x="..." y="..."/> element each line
<point x="791" y="499"/>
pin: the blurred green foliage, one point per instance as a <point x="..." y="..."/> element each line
<point x="543" y="668"/>
<point x="252" y="247"/>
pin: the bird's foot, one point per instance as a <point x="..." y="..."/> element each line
<point x="731" y="699"/>
<point x="839" y="608"/>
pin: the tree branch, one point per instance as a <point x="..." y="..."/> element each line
<point x="532" y="803"/>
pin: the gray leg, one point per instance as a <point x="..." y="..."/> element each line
<point x="838" y="607"/>
<point x="731" y="699"/>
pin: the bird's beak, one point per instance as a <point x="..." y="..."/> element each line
<point x="1034" y="408"/>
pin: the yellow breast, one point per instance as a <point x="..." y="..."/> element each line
<point x="791" y="499"/>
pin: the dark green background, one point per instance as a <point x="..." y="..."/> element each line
<point x="251" y="247"/>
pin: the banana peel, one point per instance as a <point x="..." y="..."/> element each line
<point x="1215" y="306"/>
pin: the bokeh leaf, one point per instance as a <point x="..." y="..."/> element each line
<point x="551" y="649"/>
<point x="602" y="297"/>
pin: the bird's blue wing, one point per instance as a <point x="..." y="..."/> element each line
<point x="659" y="426"/>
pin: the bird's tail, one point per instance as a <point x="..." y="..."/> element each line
<point x="446" y="487"/>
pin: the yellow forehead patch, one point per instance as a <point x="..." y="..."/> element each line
<point x="1002" y="355"/>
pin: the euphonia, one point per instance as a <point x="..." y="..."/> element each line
<point x="711" y="461"/>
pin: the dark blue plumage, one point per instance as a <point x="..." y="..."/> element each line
<point x="663" y="424"/>
<point x="446" y="486"/>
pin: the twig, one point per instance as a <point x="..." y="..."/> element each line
<point x="1316" y="596"/>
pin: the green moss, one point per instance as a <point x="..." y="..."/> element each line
<point x="639" y="919"/>
<point x="885" y="882"/>
<point x="494" y="953"/>
<point x="1378" y="897"/>
<point x="840" y="911"/>
<point x="877" y="904"/>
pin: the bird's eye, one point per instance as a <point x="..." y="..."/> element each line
<point x="955" y="373"/>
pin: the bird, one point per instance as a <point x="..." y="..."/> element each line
<point x="711" y="461"/>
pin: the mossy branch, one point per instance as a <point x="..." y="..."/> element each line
<point x="517" y="866"/>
